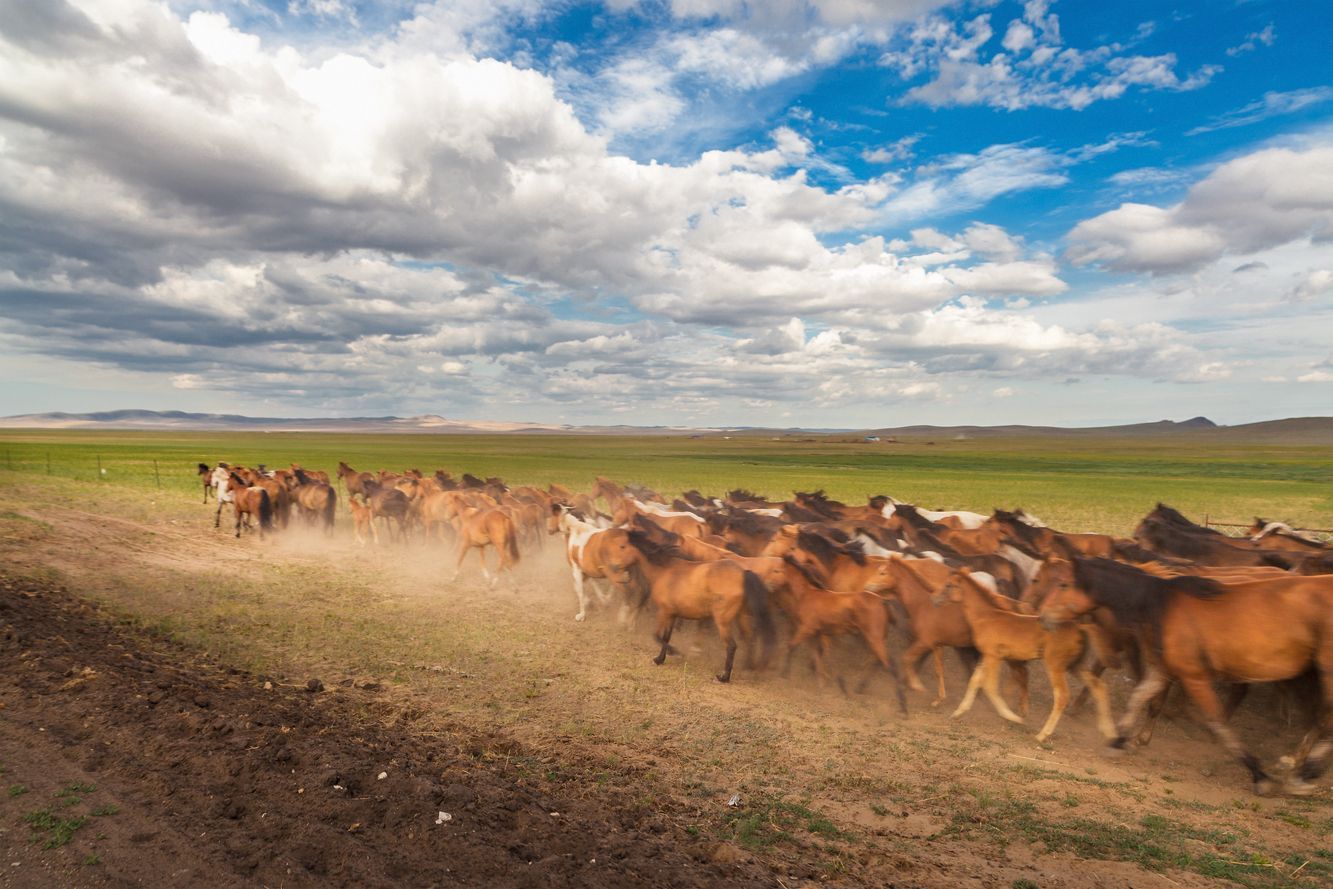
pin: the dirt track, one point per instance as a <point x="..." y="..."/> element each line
<point x="497" y="708"/>
<point x="219" y="781"/>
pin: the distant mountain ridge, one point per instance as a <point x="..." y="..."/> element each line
<point x="1295" y="430"/>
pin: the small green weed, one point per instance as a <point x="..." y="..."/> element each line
<point x="58" y="831"/>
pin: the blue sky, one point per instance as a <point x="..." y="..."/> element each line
<point x="705" y="212"/>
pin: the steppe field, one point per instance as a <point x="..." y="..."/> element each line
<point x="304" y="711"/>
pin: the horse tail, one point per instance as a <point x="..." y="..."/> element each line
<point x="265" y="510"/>
<point x="756" y="601"/>
<point x="330" y="504"/>
<point x="511" y="541"/>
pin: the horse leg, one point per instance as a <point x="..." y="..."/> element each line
<point x="1059" y="698"/>
<point x="217" y="516"/>
<point x="880" y="649"/>
<point x="725" y="675"/>
<point x="1152" y="684"/>
<point x="463" y="548"/>
<point x="578" y="591"/>
<point x="940" y="693"/>
<point x="1093" y="683"/>
<point x="912" y="658"/>
<point x="481" y="557"/>
<point x="1201" y="691"/>
<point x="665" y="624"/>
<point x="1313" y="765"/>
<point x="1019" y="670"/>
<point x="973" y="686"/>
<point x="991" y="686"/>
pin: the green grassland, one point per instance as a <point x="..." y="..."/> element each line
<point x="1089" y="484"/>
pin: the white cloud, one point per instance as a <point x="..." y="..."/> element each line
<point x="1273" y="104"/>
<point x="1259" y="200"/>
<point x="1034" y="69"/>
<point x="1253" y="40"/>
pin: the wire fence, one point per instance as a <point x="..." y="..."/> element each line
<point x="1242" y="529"/>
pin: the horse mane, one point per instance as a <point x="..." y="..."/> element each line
<point x="1130" y="551"/>
<point x="471" y="481"/>
<point x="743" y="494"/>
<point x="660" y="554"/>
<point x="742" y="523"/>
<point x="912" y="517"/>
<point x="798" y="513"/>
<point x="929" y="540"/>
<point x="878" y="501"/>
<point x="1169" y="516"/>
<point x="818" y="501"/>
<point x="826" y="550"/>
<point x="204" y="467"/>
<point x="679" y="505"/>
<point x="694" y="498"/>
<point x="806" y="572"/>
<point x="1134" y="596"/>
<point x="497" y="482"/>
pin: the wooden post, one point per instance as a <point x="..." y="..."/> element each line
<point x="156" y="476"/>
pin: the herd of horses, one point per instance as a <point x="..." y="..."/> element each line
<point x="1177" y="603"/>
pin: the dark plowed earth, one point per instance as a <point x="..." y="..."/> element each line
<point x="188" y="773"/>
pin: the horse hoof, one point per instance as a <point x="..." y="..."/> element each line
<point x="1113" y="750"/>
<point x="1264" y="787"/>
<point x="580" y="616"/>
<point x="1041" y="738"/>
<point x="722" y="678"/>
<point x="1299" y="787"/>
<point x="659" y="660"/>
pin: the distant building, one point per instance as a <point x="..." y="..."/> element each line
<point x="872" y="438"/>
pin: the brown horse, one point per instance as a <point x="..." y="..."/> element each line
<point x="248" y="501"/>
<point x="936" y="624"/>
<point x="1281" y="536"/>
<point x="355" y="481"/>
<point x="206" y="478"/>
<point x="478" y="527"/>
<point x="278" y="494"/>
<point x="1198" y="630"/>
<point x="1003" y="636"/>
<point x="389" y="504"/>
<point x="362" y="520"/>
<point x="315" y="500"/>
<point x="721" y="590"/>
<point x="819" y="614"/>
<point x="1165" y="530"/>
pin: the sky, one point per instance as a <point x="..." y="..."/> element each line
<point x="819" y="213"/>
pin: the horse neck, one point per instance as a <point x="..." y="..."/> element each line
<point x="913" y="590"/>
<point x="847" y="573"/>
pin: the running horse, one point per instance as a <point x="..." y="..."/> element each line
<point x="1198" y="630"/>
<point x="246" y="501"/>
<point x="721" y="590"/>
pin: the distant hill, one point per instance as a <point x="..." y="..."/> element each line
<point x="426" y="423"/>
<point x="1297" y="430"/>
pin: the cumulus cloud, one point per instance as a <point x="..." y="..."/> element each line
<point x="1263" y="199"/>
<point x="1032" y="69"/>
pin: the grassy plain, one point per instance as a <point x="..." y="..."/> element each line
<point x="1080" y="484"/>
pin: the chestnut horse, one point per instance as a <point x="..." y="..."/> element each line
<point x="721" y="590"/>
<point x="246" y="501"/>
<point x="1198" y="630"/>
<point x="1003" y="636"/>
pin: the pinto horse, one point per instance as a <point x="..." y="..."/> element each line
<point x="1198" y="630"/>
<point x="596" y="554"/>
<point x="721" y="590"/>
<point x="1003" y="636"/>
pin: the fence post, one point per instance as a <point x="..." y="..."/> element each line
<point x="99" y="467"/>
<point x="156" y="476"/>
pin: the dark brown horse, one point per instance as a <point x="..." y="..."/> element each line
<point x="1198" y="630"/>
<point x="206" y="477"/>
<point x="316" y="501"/>
<point x="1164" y="530"/>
